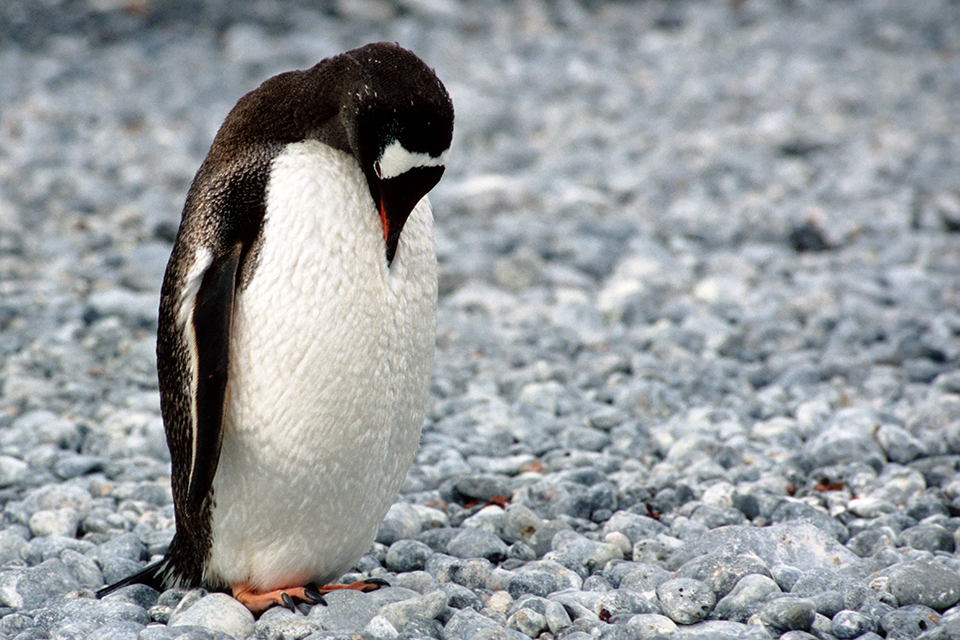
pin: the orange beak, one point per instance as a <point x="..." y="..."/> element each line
<point x="383" y="221"/>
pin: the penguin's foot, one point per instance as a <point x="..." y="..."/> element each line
<point x="370" y="584"/>
<point x="258" y="602"/>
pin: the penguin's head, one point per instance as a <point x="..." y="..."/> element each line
<point x="399" y="122"/>
<point x="380" y="103"/>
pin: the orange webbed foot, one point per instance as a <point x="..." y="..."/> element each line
<point x="258" y="602"/>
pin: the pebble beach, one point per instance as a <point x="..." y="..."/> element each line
<point x="698" y="356"/>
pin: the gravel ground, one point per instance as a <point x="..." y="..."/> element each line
<point x="699" y="319"/>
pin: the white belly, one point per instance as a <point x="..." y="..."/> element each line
<point x="330" y="356"/>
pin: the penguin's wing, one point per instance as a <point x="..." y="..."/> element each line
<point x="196" y="307"/>
<point x="207" y="332"/>
<point x="221" y="223"/>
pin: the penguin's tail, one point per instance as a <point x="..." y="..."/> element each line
<point x="154" y="575"/>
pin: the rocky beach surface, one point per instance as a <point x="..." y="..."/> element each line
<point x="699" y="321"/>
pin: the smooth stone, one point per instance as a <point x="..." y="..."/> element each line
<point x="429" y="606"/>
<point x="380" y="628"/>
<point x="746" y="598"/>
<point x="528" y="622"/>
<point x="788" y="613"/>
<point x="581" y="555"/>
<point x="852" y="624"/>
<point x="407" y="555"/>
<point x="38" y="586"/>
<point x="650" y="625"/>
<point x="785" y="575"/>
<point x="84" y="569"/>
<point x="556" y="617"/>
<point x="644" y="579"/>
<point x="279" y="622"/>
<point x="519" y="523"/>
<point x="685" y="600"/>
<point x="402" y="522"/>
<point x="483" y="487"/>
<point x="928" y="584"/>
<point x="477" y="543"/>
<point x="634" y="526"/>
<point x="722" y="572"/>
<point x="183" y="633"/>
<point x="465" y="623"/>
<point x="909" y="621"/>
<point x="117" y="630"/>
<point x="219" y="612"/>
<point x="55" y="522"/>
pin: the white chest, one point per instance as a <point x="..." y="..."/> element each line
<point x="330" y="356"/>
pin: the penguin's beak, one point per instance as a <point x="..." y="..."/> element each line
<point x="397" y="198"/>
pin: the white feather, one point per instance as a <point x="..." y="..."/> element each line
<point x="396" y="160"/>
<point x="331" y="352"/>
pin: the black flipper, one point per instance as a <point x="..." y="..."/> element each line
<point x="212" y="314"/>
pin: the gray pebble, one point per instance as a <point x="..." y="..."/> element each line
<point x="721" y="572"/>
<point x="465" y="623"/>
<point x="556" y="617"/>
<point x="83" y="568"/>
<point x="183" y="633"/>
<point x="474" y="573"/>
<point x="685" y="600"/>
<point x="497" y="633"/>
<point x="380" y="628"/>
<point x="746" y="598"/>
<point x="928" y="537"/>
<point x="644" y="579"/>
<point x="581" y="555"/>
<point x="117" y="630"/>
<point x="349" y="610"/>
<point x="86" y="614"/>
<point x="37" y="586"/>
<point x="634" y="526"/>
<point x="12" y="545"/>
<point x="899" y="444"/>
<point x="519" y="523"/>
<point x="827" y="603"/>
<point x="459" y="597"/>
<point x="401" y="522"/>
<point x="423" y="628"/>
<point x="528" y="622"/>
<point x="477" y="543"/>
<point x="127" y="545"/>
<point x="428" y="606"/>
<point x="909" y="621"/>
<point x="438" y="539"/>
<point x="789" y="613"/>
<point x="55" y="522"/>
<point x="279" y="622"/>
<point x="483" y="487"/>
<point x="927" y="584"/>
<point x="407" y="555"/>
<point x="851" y="624"/>
<point x="219" y="612"/>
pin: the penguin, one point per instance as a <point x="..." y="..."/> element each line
<point x="297" y="326"/>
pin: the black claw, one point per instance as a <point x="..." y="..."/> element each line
<point x="288" y="602"/>
<point x="315" y="596"/>
<point x="378" y="582"/>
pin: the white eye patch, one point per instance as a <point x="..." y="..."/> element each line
<point x="396" y="160"/>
